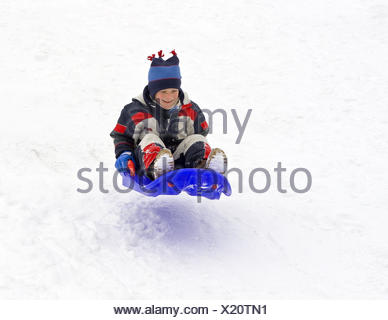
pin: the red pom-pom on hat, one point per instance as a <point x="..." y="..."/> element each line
<point x="151" y="57"/>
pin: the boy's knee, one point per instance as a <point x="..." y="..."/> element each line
<point x="150" y="138"/>
<point x="196" y="154"/>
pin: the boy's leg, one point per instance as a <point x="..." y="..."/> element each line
<point x="153" y="157"/>
<point x="195" y="152"/>
<point x="192" y="151"/>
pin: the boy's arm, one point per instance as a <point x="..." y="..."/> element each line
<point x="122" y="140"/>
<point x="200" y="123"/>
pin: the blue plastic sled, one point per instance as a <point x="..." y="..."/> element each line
<point x="196" y="182"/>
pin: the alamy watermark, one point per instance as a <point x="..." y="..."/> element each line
<point x="254" y="176"/>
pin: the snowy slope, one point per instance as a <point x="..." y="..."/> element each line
<point x="315" y="74"/>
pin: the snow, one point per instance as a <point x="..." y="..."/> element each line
<point x="315" y="74"/>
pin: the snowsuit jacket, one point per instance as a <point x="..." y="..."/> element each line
<point x="143" y="115"/>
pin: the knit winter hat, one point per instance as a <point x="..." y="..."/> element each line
<point x="163" y="74"/>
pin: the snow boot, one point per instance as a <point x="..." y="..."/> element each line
<point x="163" y="163"/>
<point x="217" y="161"/>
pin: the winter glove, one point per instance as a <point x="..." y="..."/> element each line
<point x="126" y="163"/>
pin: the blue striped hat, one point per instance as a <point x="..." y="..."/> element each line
<point x="163" y="74"/>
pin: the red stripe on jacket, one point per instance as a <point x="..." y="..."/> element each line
<point x="207" y="150"/>
<point x="120" y="128"/>
<point x="140" y="116"/>
<point x="187" y="111"/>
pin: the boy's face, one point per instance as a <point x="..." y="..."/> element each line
<point x="167" y="98"/>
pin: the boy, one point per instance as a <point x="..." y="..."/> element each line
<point x="161" y="129"/>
